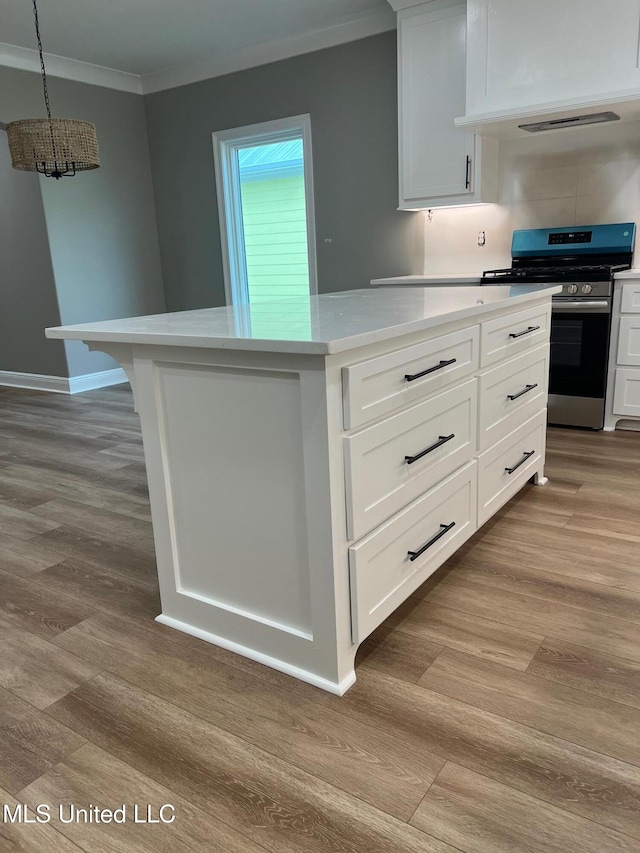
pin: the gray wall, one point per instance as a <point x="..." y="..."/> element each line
<point x="350" y="93"/>
<point x="27" y="290"/>
<point x="101" y="224"/>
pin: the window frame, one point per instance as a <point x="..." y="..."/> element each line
<point x="225" y="143"/>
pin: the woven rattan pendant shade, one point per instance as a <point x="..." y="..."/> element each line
<point x="53" y="146"/>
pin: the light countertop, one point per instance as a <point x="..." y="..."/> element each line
<point x="633" y="273"/>
<point x="329" y="323"/>
<point x="445" y="280"/>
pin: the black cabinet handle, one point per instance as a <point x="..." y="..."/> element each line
<point x="442" y="439"/>
<point x="467" y="174"/>
<point x="411" y="376"/>
<point x="521" y="462"/>
<point x="526" y="332"/>
<point x="524" y="391"/>
<point x="444" y="528"/>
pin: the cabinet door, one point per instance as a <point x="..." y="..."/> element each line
<point x="629" y="341"/>
<point x="525" y="53"/>
<point x="436" y="158"/>
<point x="626" y="395"/>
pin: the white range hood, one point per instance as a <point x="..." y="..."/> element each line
<point x="530" y="61"/>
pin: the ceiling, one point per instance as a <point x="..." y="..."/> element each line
<point x="144" y="37"/>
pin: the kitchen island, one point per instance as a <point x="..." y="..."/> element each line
<point x="311" y="462"/>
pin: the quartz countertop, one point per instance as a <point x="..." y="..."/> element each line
<point x="633" y="273"/>
<point x="324" y="324"/>
<point x="445" y="280"/>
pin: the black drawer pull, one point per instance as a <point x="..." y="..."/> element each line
<point x="524" y="391"/>
<point x="526" y="332"/>
<point x="442" y="439"/>
<point x="521" y="462"/>
<point x="410" y="377"/>
<point x="444" y="528"/>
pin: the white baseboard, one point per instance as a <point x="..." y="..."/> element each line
<point x="62" y="384"/>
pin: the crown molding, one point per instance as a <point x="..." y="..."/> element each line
<point x="351" y="29"/>
<point x="26" y="59"/>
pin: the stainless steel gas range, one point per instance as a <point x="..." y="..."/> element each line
<point x="583" y="260"/>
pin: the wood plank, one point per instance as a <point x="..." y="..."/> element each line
<point x="111" y="643"/>
<point x="582" y="718"/>
<point x="31" y="742"/>
<point x="31" y="607"/>
<point x="23" y="524"/>
<point x="102" y="523"/>
<point x="509" y="575"/>
<point x="479" y="815"/>
<point x="566" y="775"/>
<point x="535" y="555"/>
<point x="476" y="635"/>
<point x="274" y="803"/>
<point x="585" y="669"/>
<point x="36" y="670"/>
<point x="583" y="627"/>
<point x="506" y="531"/>
<point x="25" y="558"/>
<point x="31" y="838"/>
<point x="374" y="766"/>
<point x="136" y="563"/>
<point x="405" y="656"/>
<point x="101" y="590"/>
<point x="91" y="775"/>
<point x="40" y="486"/>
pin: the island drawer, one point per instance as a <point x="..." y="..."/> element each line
<point x="512" y="393"/>
<point x="389" y="382"/>
<point x="512" y="335"/>
<point x="389" y="464"/>
<point x="504" y="469"/>
<point x="389" y="564"/>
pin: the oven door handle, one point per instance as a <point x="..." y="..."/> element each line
<point x="594" y="306"/>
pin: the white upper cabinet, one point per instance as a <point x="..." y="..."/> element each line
<point x="536" y="55"/>
<point x="440" y="165"/>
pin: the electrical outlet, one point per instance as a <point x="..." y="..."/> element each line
<point x="481" y="238"/>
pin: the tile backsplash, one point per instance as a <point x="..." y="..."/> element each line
<point x="578" y="176"/>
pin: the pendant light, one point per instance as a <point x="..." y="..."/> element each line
<point x="55" y="147"/>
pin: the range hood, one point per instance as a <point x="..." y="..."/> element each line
<point x="552" y="117"/>
<point x="569" y="121"/>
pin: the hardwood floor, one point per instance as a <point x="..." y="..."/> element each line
<point x="496" y="711"/>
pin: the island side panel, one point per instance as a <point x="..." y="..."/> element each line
<point x="237" y="459"/>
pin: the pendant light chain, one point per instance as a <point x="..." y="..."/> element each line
<point x="42" y="69"/>
<point x="44" y="78"/>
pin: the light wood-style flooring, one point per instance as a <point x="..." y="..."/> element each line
<point x="497" y="711"/>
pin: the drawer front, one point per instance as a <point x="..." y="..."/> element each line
<point x="508" y="336"/>
<point x="505" y="468"/>
<point x="630" y="303"/>
<point x="381" y="569"/>
<point x="391" y="463"/>
<point x="626" y="392"/>
<point x="511" y="394"/>
<point x="629" y="341"/>
<point x="380" y="386"/>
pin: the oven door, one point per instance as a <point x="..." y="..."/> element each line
<point x="580" y="330"/>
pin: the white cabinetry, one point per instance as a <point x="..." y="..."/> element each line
<point x="527" y="55"/>
<point x="444" y="465"/>
<point x="623" y="386"/>
<point x="440" y="165"/>
<point x="299" y="496"/>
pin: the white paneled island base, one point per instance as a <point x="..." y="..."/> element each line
<point x="303" y="483"/>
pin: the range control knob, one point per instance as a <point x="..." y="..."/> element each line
<point x="572" y="288"/>
<point x="586" y="288"/>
